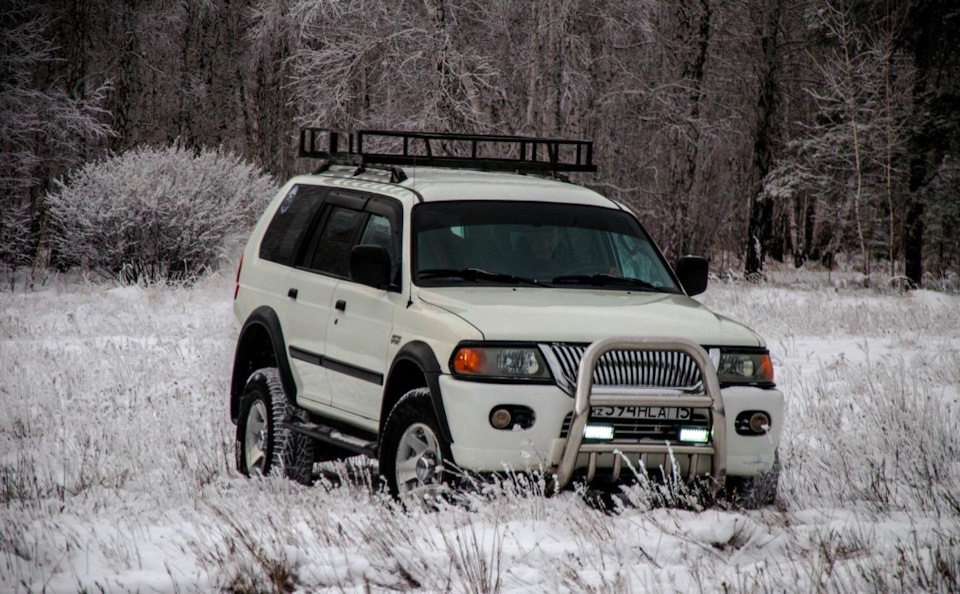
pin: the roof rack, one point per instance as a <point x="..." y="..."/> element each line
<point x="368" y="148"/>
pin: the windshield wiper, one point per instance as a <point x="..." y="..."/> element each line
<point x="600" y="280"/>
<point x="475" y="274"/>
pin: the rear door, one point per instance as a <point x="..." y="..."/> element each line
<point x="290" y="295"/>
<point x="360" y="328"/>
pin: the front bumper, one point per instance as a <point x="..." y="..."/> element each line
<point x="477" y="446"/>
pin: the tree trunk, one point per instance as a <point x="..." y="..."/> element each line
<point x="913" y="236"/>
<point x="888" y="165"/>
<point x="694" y="72"/>
<point x="760" y="225"/>
<point x="855" y="135"/>
<point x="551" y="121"/>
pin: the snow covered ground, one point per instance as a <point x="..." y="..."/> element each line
<point x="116" y="467"/>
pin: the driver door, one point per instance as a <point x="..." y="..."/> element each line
<point x="359" y="332"/>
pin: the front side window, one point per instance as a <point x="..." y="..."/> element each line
<point x="332" y="254"/>
<point x="534" y="243"/>
<point x="379" y="232"/>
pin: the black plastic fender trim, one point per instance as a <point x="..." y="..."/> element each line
<point x="422" y="355"/>
<point x="433" y="382"/>
<point x="267" y="319"/>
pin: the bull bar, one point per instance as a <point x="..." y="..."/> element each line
<point x="585" y="398"/>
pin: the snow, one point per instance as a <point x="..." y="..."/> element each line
<point x="116" y="466"/>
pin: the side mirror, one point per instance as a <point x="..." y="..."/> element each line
<point x="370" y="265"/>
<point x="692" y="272"/>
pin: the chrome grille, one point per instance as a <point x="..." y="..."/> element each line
<point x="646" y="369"/>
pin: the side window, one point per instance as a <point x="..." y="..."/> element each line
<point x="290" y="223"/>
<point x="379" y="231"/>
<point x="332" y="254"/>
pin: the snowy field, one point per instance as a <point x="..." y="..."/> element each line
<point x="116" y="467"/>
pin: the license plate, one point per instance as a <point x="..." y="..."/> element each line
<point x="663" y="413"/>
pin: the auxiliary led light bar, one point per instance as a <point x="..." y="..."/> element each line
<point x="598" y="432"/>
<point x="694" y="434"/>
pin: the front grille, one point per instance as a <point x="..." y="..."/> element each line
<point x="653" y="369"/>
<point x="634" y="430"/>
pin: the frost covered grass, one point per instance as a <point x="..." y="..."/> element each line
<point x="116" y="467"/>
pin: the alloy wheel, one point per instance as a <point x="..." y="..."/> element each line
<point x="419" y="462"/>
<point x="255" y="438"/>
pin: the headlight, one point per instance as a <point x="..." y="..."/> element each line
<point x="499" y="362"/>
<point x="745" y="368"/>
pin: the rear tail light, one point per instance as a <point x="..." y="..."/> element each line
<point x="236" y="290"/>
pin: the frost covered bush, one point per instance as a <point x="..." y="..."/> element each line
<point x="153" y="214"/>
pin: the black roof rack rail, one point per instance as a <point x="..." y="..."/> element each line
<point x="489" y="152"/>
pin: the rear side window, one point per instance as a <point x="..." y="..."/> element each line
<point x="290" y="223"/>
<point x="336" y="240"/>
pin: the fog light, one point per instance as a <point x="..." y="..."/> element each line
<point x="598" y="432"/>
<point x="500" y="418"/>
<point x="759" y="422"/>
<point x="694" y="434"/>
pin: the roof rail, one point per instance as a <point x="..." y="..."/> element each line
<point x="524" y="154"/>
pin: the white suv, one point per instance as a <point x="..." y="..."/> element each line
<point x="447" y="317"/>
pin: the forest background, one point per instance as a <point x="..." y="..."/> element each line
<point x="811" y="132"/>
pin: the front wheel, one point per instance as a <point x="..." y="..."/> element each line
<point x="414" y="457"/>
<point x="264" y="444"/>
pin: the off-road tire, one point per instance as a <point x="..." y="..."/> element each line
<point x="413" y="407"/>
<point x="753" y="492"/>
<point x="285" y="453"/>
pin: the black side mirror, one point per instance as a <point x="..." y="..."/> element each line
<point x="370" y="265"/>
<point x="692" y="272"/>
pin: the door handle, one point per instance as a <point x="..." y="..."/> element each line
<point x="292" y="293"/>
<point x="341" y="305"/>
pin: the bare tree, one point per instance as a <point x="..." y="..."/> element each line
<point x="811" y="127"/>
<point x="43" y="130"/>
<point x="41" y="126"/>
<point x="858" y="129"/>
<point x="759" y="227"/>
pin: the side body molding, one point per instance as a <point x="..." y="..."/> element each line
<point x="251" y="355"/>
<point x="420" y="354"/>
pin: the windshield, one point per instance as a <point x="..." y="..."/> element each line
<point x="534" y="244"/>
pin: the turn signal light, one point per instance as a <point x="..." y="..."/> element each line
<point x="470" y="360"/>
<point x="767" y="366"/>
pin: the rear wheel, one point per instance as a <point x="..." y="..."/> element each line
<point x="414" y="457"/>
<point x="264" y="445"/>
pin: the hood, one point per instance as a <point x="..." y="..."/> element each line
<point x="586" y="315"/>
